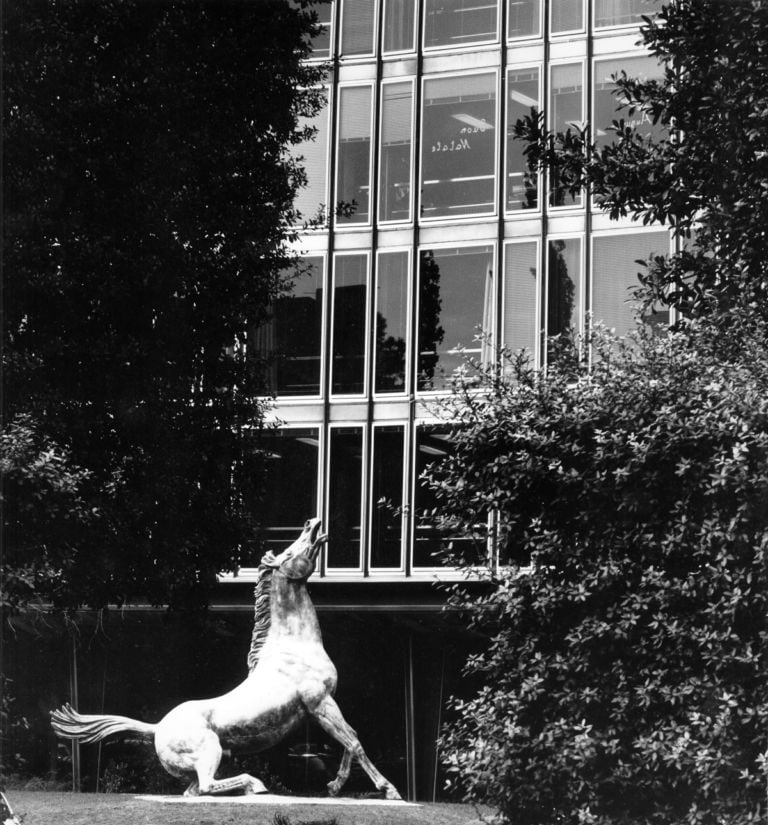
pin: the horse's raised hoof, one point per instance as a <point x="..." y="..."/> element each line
<point x="333" y="788"/>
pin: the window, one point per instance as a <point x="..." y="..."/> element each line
<point x="391" y="322"/>
<point x="353" y="175"/>
<point x="387" y="497"/>
<point x="623" y="12"/>
<point x="350" y="293"/>
<point x="567" y="16"/>
<point x="520" y="286"/>
<point x="357" y="27"/>
<point x="290" y="488"/>
<point x="321" y="43"/>
<point x="345" y="475"/>
<point x="459" y="22"/>
<point x="395" y="169"/>
<point x="566" y="112"/>
<point x="523" y="19"/>
<point x="455" y="303"/>
<point x="290" y="340"/>
<point x="563" y="294"/>
<point x="399" y="25"/>
<point x="314" y="153"/>
<point x="615" y="269"/>
<point x="459" y="146"/>
<point x="523" y="99"/>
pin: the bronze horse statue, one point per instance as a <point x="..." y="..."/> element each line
<point x="290" y="678"/>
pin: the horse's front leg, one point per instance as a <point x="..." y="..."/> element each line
<point x="330" y="719"/>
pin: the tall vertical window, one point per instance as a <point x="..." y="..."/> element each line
<point x="563" y="292"/>
<point x="523" y="99"/>
<point x="353" y="173"/>
<point x="566" y="112"/>
<point x="458" y="151"/>
<point x="455" y="305"/>
<point x="567" y="16"/>
<point x="615" y="266"/>
<point x="459" y="22"/>
<point x="314" y="153"/>
<point x="387" y="496"/>
<point x="399" y="25"/>
<point x="623" y="12"/>
<point x="321" y="42"/>
<point x="523" y="19"/>
<point x="395" y="156"/>
<point x="520" y="321"/>
<point x="357" y="27"/>
<point x="391" y="322"/>
<point x="290" y="340"/>
<point x="345" y="476"/>
<point x="290" y="489"/>
<point x="350" y="293"/>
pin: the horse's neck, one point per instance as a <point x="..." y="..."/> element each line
<point x="292" y="611"/>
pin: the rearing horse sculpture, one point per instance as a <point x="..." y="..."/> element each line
<point x="290" y="678"/>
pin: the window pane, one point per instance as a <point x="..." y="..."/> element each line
<point x="353" y="176"/>
<point x="315" y="163"/>
<point x="321" y="43"/>
<point x="522" y="100"/>
<point x="459" y="22"/>
<point x="520" y="281"/>
<point x="455" y="301"/>
<point x="387" y="496"/>
<point x="350" y="284"/>
<point x="395" y="173"/>
<point x="567" y="15"/>
<point x="607" y="102"/>
<point x="524" y="18"/>
<point x="614" y="275"/>
<point x="291" y="339"/>
<point x="344" y="490"/>
<point x="290" y="488"/>
<point x="458" y="146"/>
<point x="399" y="20"/>
<point x="357" y="27"/>
<point x="566" y="112"/>
<point x="563" y="291"/>
<point x="391" y="321"/>
<point x="623" y="12"/>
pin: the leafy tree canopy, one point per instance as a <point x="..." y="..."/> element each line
<point x="149" y="193"/>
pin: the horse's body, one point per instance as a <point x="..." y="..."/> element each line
<point x="291" y="678"/>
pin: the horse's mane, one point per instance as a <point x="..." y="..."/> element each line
<point x="261" y="615"/>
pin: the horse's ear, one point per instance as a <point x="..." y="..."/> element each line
<point x="299" y="567"/>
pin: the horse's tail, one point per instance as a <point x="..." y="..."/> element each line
<point x="68" y="723"/>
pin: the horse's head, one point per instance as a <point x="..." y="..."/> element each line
<point x="298" y="560"/>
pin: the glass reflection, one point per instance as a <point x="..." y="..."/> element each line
<point x="459" y="22"/>
<point x="522" y="101"/>
<point x="391" y="321"/>
<point x="353" y="176"/>
<point x="563" y="294"/>
<point x="350" y="287"/>
<point x="395" y="161"/>
<point x="387" y="496"/>
<point x="345" y="475"/>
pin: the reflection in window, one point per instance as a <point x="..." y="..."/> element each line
<point x="353" y="176"/>
<point x="399" y="25"/>
<point x="523" y="18"/>
<point x="520" y="282"/>
<point x="395" y="173"/>
<point x="391" y="321"/>
<point x="290" y="485"/>
<point x="350" y="283"/>
<point x="623" y="12"/>
<point x="458" y="146"/>
<point x="290" y="340"/>
<point x="345" y="475"/>
<point x="459" y="22"/>
<point x="567" y="16"/>
<point x="522" y="100"/>
<point x="607" y="101"/>
<point x="314" y="152"/>
<point x="615" y="269"/>
<point x="321" y="43"/>
<point x="566" y="112"/>
<point x="563" y="293"/>
<point x="455" y="303"/>
<point x="357" y="27"/>
<point x="387" y="496"/>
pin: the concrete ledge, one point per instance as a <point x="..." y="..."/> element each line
<point x="274" y="799"/>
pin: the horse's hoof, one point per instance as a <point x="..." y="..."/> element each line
<point x="390" y="792"/>
<point x="333" y="788"/>
<point x="255" y="786"/>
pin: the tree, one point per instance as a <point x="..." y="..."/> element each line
<point x="149" y="193"/>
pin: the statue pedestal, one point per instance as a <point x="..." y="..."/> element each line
<point x="275" y="800"/>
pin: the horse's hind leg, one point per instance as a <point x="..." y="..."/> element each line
<point x="329" y="716"/>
